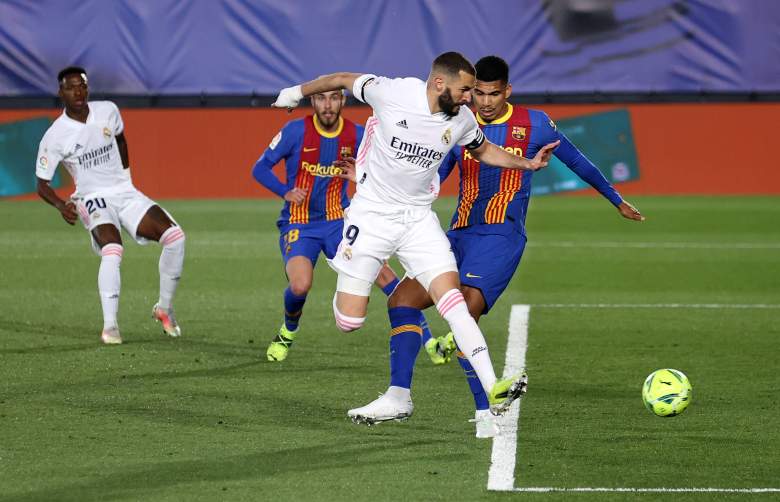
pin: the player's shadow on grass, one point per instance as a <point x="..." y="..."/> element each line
<point x="124" y="482"/>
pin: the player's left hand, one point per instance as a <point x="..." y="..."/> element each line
<point x="347" y="166"/>
<point x="542" y="157"/>
<point x="289" y="97"/>
<point x="630" y="212"/>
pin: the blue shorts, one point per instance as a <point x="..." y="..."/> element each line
<point x="309" y="239"/>
<point x="486" y="261"/>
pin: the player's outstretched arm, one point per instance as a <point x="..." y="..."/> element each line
<point x="66" y="209"/>
<point x="627" y="210"/>
<point x="493" y="155"/>
<point x="289" y="97"/>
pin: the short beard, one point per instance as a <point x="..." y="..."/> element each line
<point x="447" y="104"/>
<point x="332" y="122"/>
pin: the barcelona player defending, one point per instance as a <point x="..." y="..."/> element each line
<point x="487" y="231"/>
<point x="312" y="218"/>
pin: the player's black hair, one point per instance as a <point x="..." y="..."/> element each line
<point x="70" y="70"/>
<point x="453" y="62"/>
<point x="492" y="69"/>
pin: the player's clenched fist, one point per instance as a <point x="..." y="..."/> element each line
<point x="68" y="212"/>
<point x="289" y="97"/>
<point x="296" y="195"/>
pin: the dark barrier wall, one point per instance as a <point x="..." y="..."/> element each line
<point x="259" y="46"/>
<point x="682" y="149"/>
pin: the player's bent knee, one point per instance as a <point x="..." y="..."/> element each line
<point x="426" y="278"/>
<point x="344" y="322"/>
<point x="300" y="288"/>
<point x="112" y="251"/>
<point x="173" y="237"/>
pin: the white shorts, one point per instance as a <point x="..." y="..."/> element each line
<point x="373" y="233"/>
<point x="123" y="210"/>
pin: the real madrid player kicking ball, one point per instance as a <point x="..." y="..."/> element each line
<point x="487" y="232"/>
<point x="88" y="139"/>
<point x="312" y="218"/>
<point x="414" y="125"/>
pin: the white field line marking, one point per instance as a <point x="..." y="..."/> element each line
<point x="657" y="305"/>
<point x="501" y="476"/>
<point x="656" y="245"/>
<point x="648" y="490"/>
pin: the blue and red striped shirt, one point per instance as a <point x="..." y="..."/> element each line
<point x="496" y="196"/>
<point x="309" y="152"/>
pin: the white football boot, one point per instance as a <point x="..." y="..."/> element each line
<point x="382" y="409"/>
<point x="111" y="336"/>
<point x="487" y="424"/>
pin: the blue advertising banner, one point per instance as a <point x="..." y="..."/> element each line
<point x="186" y="47"/>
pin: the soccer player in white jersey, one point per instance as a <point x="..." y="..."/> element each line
<point x="88" y="139"/>
<point x="415" y="124"/>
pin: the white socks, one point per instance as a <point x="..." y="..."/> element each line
<point x="171" y="264"/>
<point x="109" y="282"/>
<point x="452" y="307"/>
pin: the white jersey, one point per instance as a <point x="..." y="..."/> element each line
<point x="88" y="151"/>
<point x="404" y="143"/>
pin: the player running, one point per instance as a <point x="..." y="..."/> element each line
<point x="312" y="218"/>
<point x="487" y="231"/>
<point x="88" y="139"/>
<point x="414" y="125"/>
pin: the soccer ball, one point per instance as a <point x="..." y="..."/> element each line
<point x="667" y="392"/>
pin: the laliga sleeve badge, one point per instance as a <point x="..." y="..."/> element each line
<point x="43" y="161"/>
<point x="276" y="140"/>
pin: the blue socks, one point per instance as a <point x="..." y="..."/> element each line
<point x="293" y="308"/>
<point x="480" y="398"/>
<point x="390" y="287"/>
<point x="405" y="343"/>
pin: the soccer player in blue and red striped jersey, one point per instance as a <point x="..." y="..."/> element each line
<point x="315" y="197"/>
<point x="487" y="232"/>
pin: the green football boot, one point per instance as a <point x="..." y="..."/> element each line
<point x="505" y="392"/>
<point x="440" y="349"/>
<point x="280" y="346"/>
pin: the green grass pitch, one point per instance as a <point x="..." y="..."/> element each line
<point x="205" y="417"/>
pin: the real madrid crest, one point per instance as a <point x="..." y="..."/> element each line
<point x="106" y="132"/>
<point x="518" y="133"/>
<point x="447" y="136"/>
<point x="347" y="253"/>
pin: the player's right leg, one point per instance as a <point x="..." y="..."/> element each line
<point x="108" y="239"/>
<point x="100" y="218"/>
<point x="300" y="246"/>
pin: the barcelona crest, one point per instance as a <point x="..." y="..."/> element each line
<point x="518" y="133"/>
<point x="346" y="151"/>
